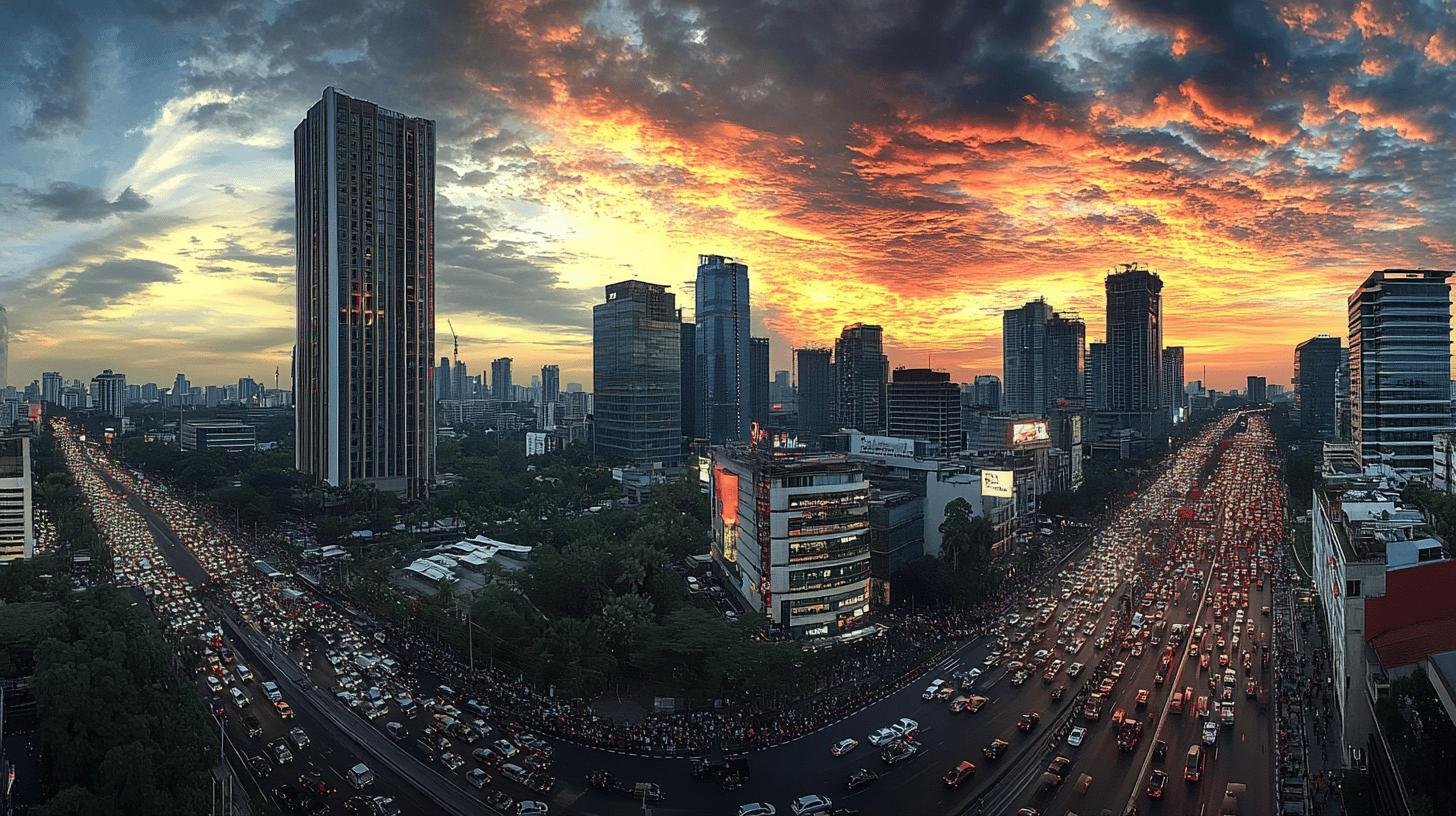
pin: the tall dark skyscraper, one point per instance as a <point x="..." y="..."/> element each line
<point x="1024" y="356"/>
<point x="687" y="374"/>
<point x="364" y="193"/>
<point x="1097" y="376"/>
<point x="1173" y="396"/>
<point x="863" y="374"/>
<point x="636" y="375"/>
<point x="1400" y="367"/>
<point x="4" y="347"/>
<point x="816" y="392"/>
<point x="1258" y="389"/>
<point x="1134" y="339"/>
<point x="550" y="383"/>
<point x="758" y="381"/>
<point x="1316" y="381"/>
<point x="926" y="405"/>
<point x="501" y="387"/>
<point x="986" y="392"/>
<point x="443" y="379"/>
<point x="722" y="349"/>
<point x="1066" y="343"/>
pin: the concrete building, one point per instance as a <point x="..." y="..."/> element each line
<point x="897" y="537"/>
<point x="17" y="508"/>
<point x="51" y="385"/>
<point x="722" y="340"/>
<point x="758" y="381"/>
<point x="926" y="405"/>
<point x="1365" y="542"/>
<point x="1024" y="356"/>
<point x="109" y="393"/>
<point x="816" y="393"/>
<point x="1316" y="383"/>
<point x="862" y="373"/>
<point x="791" y="538"/>
<point x="1097" y="376"/>
<point x="218" y="434"/>
<point x="443" y="380"/>
<point x="501" y="388"/>
<point x="688" y="380"/>
<point x="1400" y="366"/>
<point x="1443" y="462"/>
<point x="636" y="380"/>
<point x="1258" y="389"/>
<point x="364" y="189"/>
<point x="1134" y="339"/>
<point x="1174" y="399"/>
<point x="550" y="383"/>
<point x="985" y="392"/>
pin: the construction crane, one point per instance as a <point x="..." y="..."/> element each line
<point x="457" y="341"/>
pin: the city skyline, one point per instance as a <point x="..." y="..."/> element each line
<point x="1247" y="158"/>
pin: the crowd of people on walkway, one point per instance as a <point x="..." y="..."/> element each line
<point x="1307" y="734"/>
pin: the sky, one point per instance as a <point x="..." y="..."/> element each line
<point x="922" y="165"/>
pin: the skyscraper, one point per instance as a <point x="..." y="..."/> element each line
<point x="4" y="348"/>
<point x="1173" y="397"/>
<point x="110" y="390"/>
<point x="1257" y="389"/>
<point x="816" y="393"/>
<point x="462" y="385"/>
<point x="1024" y="356"/>
<point x="1316" y="382"/>
<point x="51" y="385"/>
<point x="926" y="405"/>
<point x="1134" y="339"/>
<point x="443" y="381"/>
<point x="1066" y="343"/>
<point x="636" y="383"/>
<point x="863" y="374"/>
<point x="364" y="192"/>
<point x="17" y="508"/>
<point x="1097" y="376"/>
<point x="550" y="383"/>
<point x="986" y="392"/>
<point x="758" y="381"/>
<point x="688" y="385"/>
<point x="1400" y="367"/>
<point x="500" y="379"/>
<point x="722" y="349"/>
<point x="181" y="391"/>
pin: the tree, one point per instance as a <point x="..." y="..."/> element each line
<point x="966" y="542"/>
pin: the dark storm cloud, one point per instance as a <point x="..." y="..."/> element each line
<point x="64" y="201"/>
<point x="105" y="283"/>
<point x="47" y="63"/>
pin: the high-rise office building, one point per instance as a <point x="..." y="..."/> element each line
<point x="462" y="385"/>
<point x="1258" y="389"/>
<point x="364" y="193"/>
<point x="500" y="379"/>
<point x="109" y="389"/>
<point x="1400" y="367"/>
<point x="1134" y="339"/>
<point x="1066" y="343"/>
<point x="687" y="374"/>
<point x="862" y="373"/>
<point x="1097" y="376"/>
<point x="181" y="391"/>
<point x="758" y="381"/>
<point x="1024" y="356"/>
<point x="782" y="388"/>
<point x="4" y="347"/>
<point x="816" y="393"/>
<point x="1316" y="382"/>
<point x="722" y="340"/>
<point x="985" y="392"/>
<point x="926" y="405"/>
<point x="636" y="375"/>
<point x="51" y="385"/>
<point x="1173" y="397"/>
<point x="550" y="383"/>
<point x="250" y="392"/>
<point x="443" y="381"/>
<point x="17" y="508"/>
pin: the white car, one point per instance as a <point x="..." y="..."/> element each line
<point x="932" y="689"/>
<point x="973" y="673"/>
<point x="531" y="808"/>
<point x="812" y="803"/>
<point x="1210" y="733"/>
<point x="757" y="809"/>
<point x="1075" y="738"/>
<point x="904" y="726"/>
<point x="843" y="747"/>
<point x="883" y="737"/>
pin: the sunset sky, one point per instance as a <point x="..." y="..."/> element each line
<point x="920" y="165"/>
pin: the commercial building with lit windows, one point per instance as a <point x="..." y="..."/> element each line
<point x="791" y="537"/>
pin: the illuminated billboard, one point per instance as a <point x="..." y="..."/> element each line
<point x="1000" y="483"/>
<point x="1025" y="433"/>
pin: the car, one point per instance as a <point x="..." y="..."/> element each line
<point x="254" y="725"/>
<point x="960" y="773"/>
<point x="1028" y="721"/>
<point x="809" y="804"/>
<point x="995" y="749"/>
<point x="477" y="777"/>
<point x="298" y="737"/>
<point x="1142" y="698"/>
<point x="528" y="807"/>
<point x="499" y="800"/>
<point x="1076" y="736"/>
<point x="757" y="809"/>
<point x="533" y="743"/>
<point x="285" y="711"/>
<point x="883" y="737"/>
<point x="904" y="727"/>
<point x="1157" y="783"/>
<point x="1160" y="750"/>
<point x="451" y="761"/>
<point x="959" y="704"/>
<point x="505" y="748"/>
<point x="214" y="684"/>
<point x="259" y="765"/>
<point x="289" y="798"/>
<point x="1210" y="733"/>
<point x="843" y="747"/>
<point x="1019" y="678"/>
<point x="281" y="754"/>
<point x="862" y="778"/>
<point x="932" y="689"/>
<point x="1058" y="693"/>
<point x="974" y="704"/>
<point x="1119" y="714"/>
<point x="897" y="752"/>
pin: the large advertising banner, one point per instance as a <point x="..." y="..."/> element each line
<point x="999" y="483"/>
<point x="1025" y="433"/>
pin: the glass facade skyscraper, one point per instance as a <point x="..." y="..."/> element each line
<point x="863" y="374"/>
<point x="1134" y="339"/>
<point x="364" y="195"/>
<point x="1317" y="363"/>
<point x="816" y="393"/>
<point x="722" y="340"/>
<point x="637" y="396"/>
<point x="1400" y="367"/>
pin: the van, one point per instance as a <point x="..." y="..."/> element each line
<point x="240" y="698"/>
<point x="1193" y="767"/>
<point x="244" y="674"/>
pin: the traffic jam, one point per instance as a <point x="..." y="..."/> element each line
<point x="504" y="764"/>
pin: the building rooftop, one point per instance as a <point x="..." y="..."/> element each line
<point x="1368" y="515"/>
<point x="1416" y="617"/>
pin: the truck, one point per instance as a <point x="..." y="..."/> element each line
<point x="603" y="780"/>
